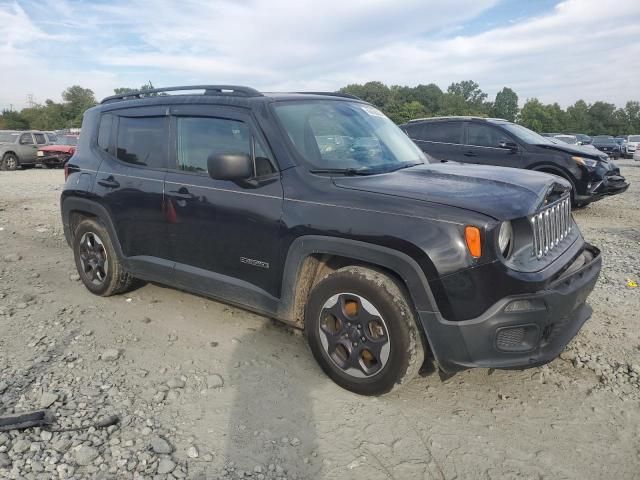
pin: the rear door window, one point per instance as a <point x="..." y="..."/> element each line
<point x="143" y="141"/>
<point x="26" y="139"/>
<point x="40" y="138"/>
<point x="443" y="132"/>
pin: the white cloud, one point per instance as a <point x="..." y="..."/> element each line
<point x="580" y="49"/>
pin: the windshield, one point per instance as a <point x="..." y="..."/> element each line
<point x="567" y="139"/>
<point x="8" y="136"/>
<point x="339" y="135"/>
<point x="603" y="139"/>
<point x="524" y="134"/>
<point x="67" y="140"/>
<point x="634" y="138"/>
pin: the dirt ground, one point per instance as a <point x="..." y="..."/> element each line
<point x="204" y="390"/>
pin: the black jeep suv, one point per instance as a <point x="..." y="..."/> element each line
<point x="490" y="141"/>
<point x="315" y="209"/>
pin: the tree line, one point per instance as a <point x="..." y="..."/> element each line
<point x="400" y="103"/>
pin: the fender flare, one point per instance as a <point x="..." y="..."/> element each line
<point x="84" y="205"/>
<point x="399" y="263"/>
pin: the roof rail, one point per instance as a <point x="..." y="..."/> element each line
<point x="236" y="90"/>
<point x="332" y="94"/>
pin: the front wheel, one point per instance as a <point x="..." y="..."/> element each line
<point x="10" y="162"/>
<point x="363" y="332"/>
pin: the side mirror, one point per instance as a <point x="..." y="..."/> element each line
<point x="230" y="166"/>
<point x="508" y="146"/>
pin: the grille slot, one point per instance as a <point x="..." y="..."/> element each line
<point x="550" y="226"/>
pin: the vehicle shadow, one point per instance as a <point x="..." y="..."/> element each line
<point x="271" y="423"/>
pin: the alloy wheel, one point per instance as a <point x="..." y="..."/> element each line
<point x="93" y="258"/>
<point x="354" y="335"/>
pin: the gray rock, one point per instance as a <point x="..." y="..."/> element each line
<point x="12" y="257"/>
<point x="74" y="277"/>
<point x="192" y="452"/>
<point x="62" y="445"/>
<point x="295" y="441"/>
<point x="47" y="399"/>
<point x="160" y="446"/>
<point x="215" y="381"/>
<point x="46" y="435"/>
<point x="4" y="438"/>
<point x="166" y="465"/>
<point x="175" y="383"/>
<point x="21" y="446"/>
<point x="110" y="355"/>
<point x="3" y="387"/>
<point x="85" y="455"/>
<point x="5" y="461"/>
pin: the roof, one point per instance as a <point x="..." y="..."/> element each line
<point x="239" y="94"/>
<point x="457" y="117"/>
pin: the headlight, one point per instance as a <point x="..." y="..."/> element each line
<point x="505" y="239"/>
<point x="40" y="153"/>
<point x="586" y="162"/>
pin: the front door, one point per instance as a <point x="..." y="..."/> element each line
<point x="488" y="145"/>
<point x="222" y="231"/>
<point x="27" y="149"/>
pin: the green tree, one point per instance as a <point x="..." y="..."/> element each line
<point x="12" y="120"/>
<point x="506" y="105"/>
<point x="77" y="100"/>
<point x="533" y="115"/>
<point x="376" y="93"/>
<point x="632" y="109"/>
<point x="403" y="112"/>
<point x="471" y="93"/>
<point x="578" y="119"/>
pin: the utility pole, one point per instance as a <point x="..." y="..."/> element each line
<point x="30" y="101"/>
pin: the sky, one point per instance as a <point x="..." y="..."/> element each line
<point x="556" y="51"/>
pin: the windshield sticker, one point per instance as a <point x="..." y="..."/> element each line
<point x="374" y="112"/>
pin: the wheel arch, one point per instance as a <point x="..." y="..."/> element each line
<point x="75" y="209"/>
<point x="311" y="258"/>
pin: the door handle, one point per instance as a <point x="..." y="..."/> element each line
<point x="182" y="194"/>
<point x="109" y="182"/>
<point x="470" y="154"/>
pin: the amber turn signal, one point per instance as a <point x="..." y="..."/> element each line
<point x="472" y="236"/>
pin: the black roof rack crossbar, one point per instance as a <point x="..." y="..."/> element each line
<point x="333" y="94"/>
<point x="208" y="90"/>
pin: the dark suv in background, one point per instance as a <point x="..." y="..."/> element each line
<point x="315" y="209"/>
<point x="490" y="141"/>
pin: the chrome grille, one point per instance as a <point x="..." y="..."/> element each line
<point x="550" y="226"/>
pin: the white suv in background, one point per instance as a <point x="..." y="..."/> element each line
<point x="633" y="143"/>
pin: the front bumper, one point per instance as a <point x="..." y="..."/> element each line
<point x="57" y="159"/>
<point x="502" y="338"/>
<point x="609" y="185"/>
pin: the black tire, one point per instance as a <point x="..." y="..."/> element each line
<point x="10" y="162"/>
<point x="398" y="329"/>
<point x="102" y="257"/>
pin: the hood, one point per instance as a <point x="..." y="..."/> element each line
<point x="499" y="192"/>
<point x="575" y="150"/>
<point x="59" y="148"/>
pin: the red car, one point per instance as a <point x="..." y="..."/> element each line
<point x="56" y="155"/>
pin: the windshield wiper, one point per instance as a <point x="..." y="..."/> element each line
<point x="345" y="171"/>
<point x="406" y="165"/>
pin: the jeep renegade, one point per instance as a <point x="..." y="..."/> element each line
<point x="315" y="209"/>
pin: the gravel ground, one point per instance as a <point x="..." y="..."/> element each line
<point x="204" y="390"/>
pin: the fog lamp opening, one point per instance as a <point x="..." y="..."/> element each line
<point x="525" y="305"/>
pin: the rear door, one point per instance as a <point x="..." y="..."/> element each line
<point x="222" y="230"/>
<point x="130" y="182"/>
<point x="489" y="145"/>
<point x="442" y="140"/>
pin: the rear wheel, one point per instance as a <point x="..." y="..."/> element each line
<point x="10" y="162"/>
<point x="98" y="265"/>
<point x="363" y="332"/>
